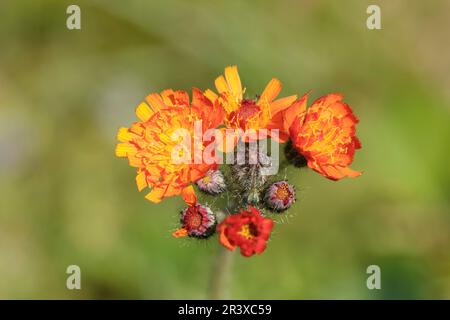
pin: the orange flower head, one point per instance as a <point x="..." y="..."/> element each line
<point x="325" y="135"/>
<point x="247" y="114"/>
<point x="151" y="143"/>
<point x="247" y="229"/>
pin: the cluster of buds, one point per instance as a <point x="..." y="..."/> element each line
<point x="321" y="137"/>
<point x="250" y="227"/>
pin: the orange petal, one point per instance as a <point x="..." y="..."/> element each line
<point x="298" y="108"/>
<point x="281" y="104"/>
<point x="234" y="81"/>
<point x="224" y="240"/>
<point x="340" y="108"/>
<point x="182" y="97"/>
<point x="154" y="172"/>
<point x="296" y="126"/>
<point x="350" y="172"/>
<point x="122" y="149"/>
<point x="172" y="190"/>
<point x="330" y="172"/>
<point x="144" y="112"/>
<point x="189" y="196"/>
<point x="155" y="101"/>
<point x="334" y="172"/>
<point x="156" y="194"/>
<point x="134" y="161"/>
<point x="211" y="95"/>
<point x="276" y="122"/>
<point x="124" y="135"/>
<point x="175" y="98"/>
<point x="180" y="233"/>
<point x="137" y="128"/>
<point x="196" y="174"/>
<point x="328" y="99"/>
<point x="281" y="138"/>
<point x="221" y="84"/>
<point x="166" y="96"/>
<point x="271" y="91"/>
<point x="141" y="180"/>
<point x="200" y="100"/>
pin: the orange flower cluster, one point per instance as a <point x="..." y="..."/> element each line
<point x="248" y="114"/>
<point x="150" y="143"/>
<point x="172" y="126"/>
<point x="324" y="134"/>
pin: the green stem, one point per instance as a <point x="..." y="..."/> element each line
<point x="221" y="274"/>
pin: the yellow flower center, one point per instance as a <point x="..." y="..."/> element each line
<point x="282" y="192"/>
<point x="248" y="231"/>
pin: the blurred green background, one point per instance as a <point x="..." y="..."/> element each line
<point x="65" y="199"/>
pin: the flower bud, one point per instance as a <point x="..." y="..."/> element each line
<point x="197" y="221"/>
<point x="280" y="196"/>
<point x="212" y="183"/>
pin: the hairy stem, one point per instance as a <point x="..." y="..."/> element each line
<point x="221" y="274"/>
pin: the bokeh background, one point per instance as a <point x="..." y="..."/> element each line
<point x="65" y="199"/>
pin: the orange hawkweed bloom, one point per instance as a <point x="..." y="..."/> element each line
<point x="247" y="114"/>
<point x="247" y="229"/>
<point x="325" y="135"/>
<point x="150" y="143"/>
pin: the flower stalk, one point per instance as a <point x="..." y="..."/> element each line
<point x="221" y="274"/>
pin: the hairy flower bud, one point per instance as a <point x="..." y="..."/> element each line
<point x="197" y="221"/>
<point x="212" y="183"/>
<point x="280" y="196"/>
